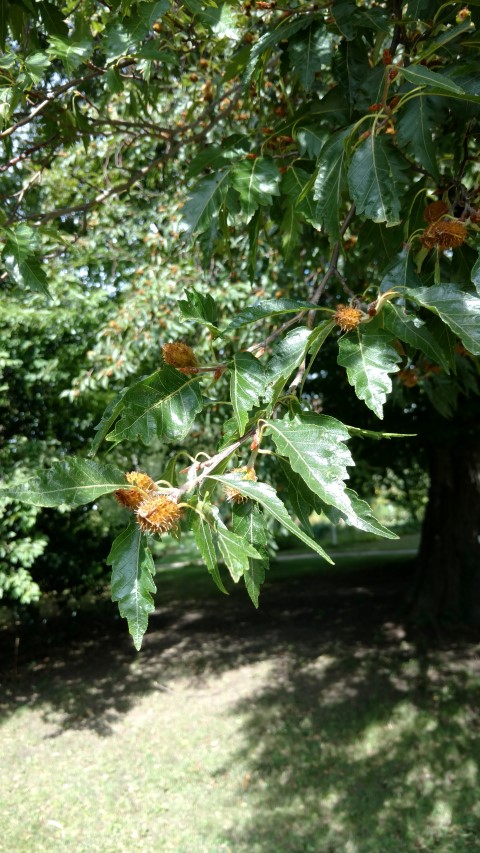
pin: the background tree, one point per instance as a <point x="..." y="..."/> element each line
<point x="323" y="153"/>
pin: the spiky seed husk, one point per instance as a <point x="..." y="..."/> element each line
<point x="132" y="498"/>
<point x="434" y="211"/>
<point x="179" y="355"/>
<point x="231" y="493"/>
<point x="158" y="514"/>
<point x="445" y="234"/>
<point x="347" y="317"/>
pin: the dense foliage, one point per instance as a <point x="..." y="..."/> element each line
<point x="321" y="154"/>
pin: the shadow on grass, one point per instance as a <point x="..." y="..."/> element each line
<point x="360" y="741"/>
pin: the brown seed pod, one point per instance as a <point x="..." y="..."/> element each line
<point x="445" y="234"/>
<point x="158" y="514"/>
<point x="179" y="355"/>
<point x="435" y="211"/>
<point x="132" y="498"/>
<point x="347" y="317"/>
<point x="231" y="493"/>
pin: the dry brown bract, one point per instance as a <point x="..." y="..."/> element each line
<point x="347" y="317"/>
<point x="132" y="498"/>
<point x="435" y="211"/>
<point x="231" y="493"/>
<point x="445" y="234"/>
<point x="179" y="355"/>
<point x="158" y="514"/>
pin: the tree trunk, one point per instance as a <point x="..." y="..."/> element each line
<point x="448" y="571"/>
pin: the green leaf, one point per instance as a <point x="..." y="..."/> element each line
<point x="236" y="552"/>
<point x="21" y="241"/>
<point x="163" y="405"/>
<point x="28" y="273"/>
<point x="201" y="307"/>
<point x="267" y="308"/>
<point x="110" y="415"/>
<point x="267" y="497"/>
<point x="411" y="330"/>
<point x="249" y="523"/>
<point x="372" y="177"/>
<point x="331" y="182"/>
<point x="203" y="205"/>
<point x="272" y="38"/>
<point x="256" y="181"/>
<point x="133" y="570"/>
<point x="421" y="76"/>
<point x="415" y="127"/>
<point x="309" y="53"/>
<point x="204" y="540"/>
<point x="315" y="447"/>
<point x="286" y="356"/>
<point x="476" y="274"/>
<point x="460" y="311"/>
<point x="69" y="482"/>
<point x="247" y="386"/>
<point x="35" y="65"/>
<point x="400" y="273"/>
<point x="71" y="51"/>
<point x="369" y="356"/>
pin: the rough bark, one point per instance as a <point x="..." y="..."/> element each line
<point x="448" y="571"/>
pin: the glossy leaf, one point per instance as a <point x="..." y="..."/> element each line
<point x="267" y="497"/>
<point x="372" y="177"/>
<point x="133" y="570"/>
<point x="267" y="308"/>
<point x="331" y="182"/>
<point x="247" y="386"/>
<point x="416" y="123"/>
<point x="203" y="205"/>
<point x="163" y="405"/>
<point x="460" y="311"/>
<point x="422" y="76"/>
<point x="256" y="182"/>
<point x="309" y="53"/>
<point x="411" y="330"/>
<point x="315" y="448"/>
<point x="475" y="275"/>
<point x="69" y="482"/>
<point x="369" y="357"/>
<point x="286" y="356"/>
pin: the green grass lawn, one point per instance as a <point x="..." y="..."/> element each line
<point x="316" y="724"/>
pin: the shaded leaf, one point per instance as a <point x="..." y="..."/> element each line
<point x="411" y="330"/>
<point x="133" y="570"/>
<point x="286" y="356"/>
<point x="236" y="552"/>
<point x="331" y="182"/>
<point x="460" y="311"/>
<point x="309" y="53"/>
<point x="256" y="182"/>
<point x="272" y="38"/>
<point x="267" y="308"/>
<point x="202" y="534"/>
<point x="249" y="523"/>
<point x="372" y="176"/>
<point x="422" y="76"/>
<point x="203" y="205"/>
<point x="400" y="273"/>
<point x="414" y="132"/>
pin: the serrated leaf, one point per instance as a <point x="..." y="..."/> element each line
<point x="400" y="273"/>
<point x="71" y="482"/>
<point x="272" y="38"/>
<point x="415" y="132"/>
<point x="203" y="205"/>
<point x="315" y="448"/>
<point x="421" y="76"/>
<point x="71" y="51"/>
<point x="204" y="540"/>
<point x="28" y="273"/>
<point x="309" y="53"/>
<point x="133" y="570"/>
<point x="267" y="497"/>
<point x="411" y="330"/>
<point x="236" y="552"/>
<point x="257" y="182"/>
<point x="369" y="357"/>
<point x="286" y="356"/>
<point x="460" y="311"/>
<point x="475" y="274"/>
<point x="248" y="522"/>
<point x="331" y="182"/>
<point x="20" y="241"/>
<point x="163" y="405"/>
<point x="267" y="308"/>
<point x="372" y="176"/>
<point x="110" y="415"/>
<point x="247" y="386"/>
<point x="199" y="306"/>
